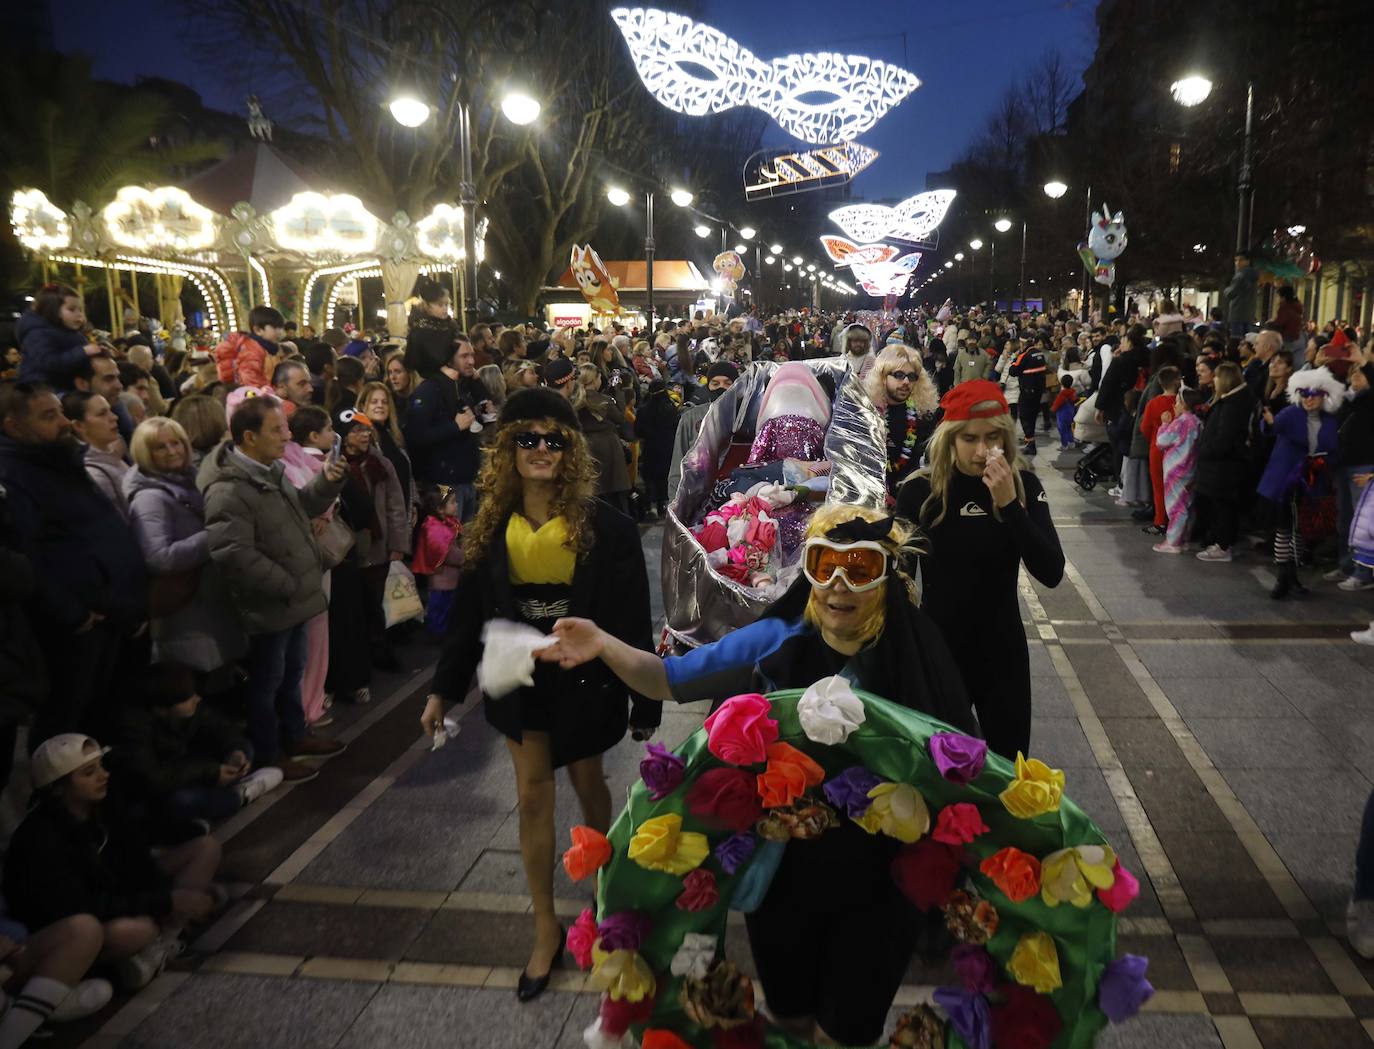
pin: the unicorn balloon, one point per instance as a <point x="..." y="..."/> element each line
<point x="1106" y="241"/>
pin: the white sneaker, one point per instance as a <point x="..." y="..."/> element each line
<point x="1214" y="553"/>
<point x="1364" y="637"/>
<point x="1354" y="583"/>
<point x="139" y="970"/>
<point x="1359" y="927"/>
<point x="1116" y="492"/>
<point x="87" y="997"/>
<point x="1166" y="548"/>
<point x="256" y="784"/>
<point x="1335" y="575"/>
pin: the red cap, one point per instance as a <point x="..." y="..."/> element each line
<point x="958" y="403"/>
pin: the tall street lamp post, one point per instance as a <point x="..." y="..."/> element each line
<point x="619" y="197"/>
<point x="1193" y="91"/>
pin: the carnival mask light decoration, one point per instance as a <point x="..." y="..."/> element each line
<point x="594" y="280"/>
<point x="875" y="266"/>
<point x="819" y="98"/>
<point x="913" y="219"/>
<point x="730" y="268"/>
<point x="1106" y="241"/>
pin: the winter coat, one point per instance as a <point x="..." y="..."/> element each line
<point x="970" y="363"/>
<point x="52" y="354"/>
<point x="1288" y="319"/>
<point x="1222" y="462"/>
<point x="155" y="754"/>
<point x="602" y="424"/>
<point x="1121" y="375"/>
<point x="1356" y="421"/>
<point x="56" y="867"/>
<point x="1241" y="295"/>
<point x="610" y="587"/>
<point x="389" y="510"/>
<point x="84" y="554"/>
<point x="1140" y="443"/>
<point x="1362" y="526"/>
<point x="655" y="426"/>
<point x="167" y="513"/>
<point x="1288" y="461"/>
<point x="107" y="472"/>
<point x="23" y="672"/>
<point x="440" y="452"/>
<point x="1011" y="390"/>
<point x="439" y="551"/>
<point x="261" y="539"/>
<point x="242" y="360"/>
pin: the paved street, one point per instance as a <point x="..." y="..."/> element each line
<point x="1219" y="738"/>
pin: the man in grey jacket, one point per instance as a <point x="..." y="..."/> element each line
<point x="1241" y="296"/>
<point x="261" y="539"/>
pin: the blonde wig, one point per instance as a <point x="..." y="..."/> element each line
<point x="502" y="490"/>
<point x="393" y="427"/>
<point x="148" y="431"/>
<point x="898" y="356"/>
<point x="941" y="467"/>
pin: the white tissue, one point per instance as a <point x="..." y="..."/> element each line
<point x="508" y="656"/>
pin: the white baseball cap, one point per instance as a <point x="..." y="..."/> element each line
<point x="61" y="755"/>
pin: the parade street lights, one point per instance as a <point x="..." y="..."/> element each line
<point x="1055" y="189"/>
<point x="1192" y="91"/>
<point x="679" y="196"/>
<point x="409" y="109"/>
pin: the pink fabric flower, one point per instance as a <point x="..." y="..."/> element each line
<point x="1124" y="889"/>
<point x="581" y="936"/>
<point x="959" y="824"/>
<point x="740" y="731"/>
<point x="712" y="536"/>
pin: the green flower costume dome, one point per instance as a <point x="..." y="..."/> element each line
<point x="1027" y="883"/>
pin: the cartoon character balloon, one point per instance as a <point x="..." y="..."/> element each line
<point x="730" y="268"/>
<point x="1106" y="241"/>
<point x="591" y="276"/>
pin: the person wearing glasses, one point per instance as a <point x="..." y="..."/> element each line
<point x="900" y="387"/>
<point x="984" y="515"/>
<point x="542" y="547"/>
<point x="833" y="936"/>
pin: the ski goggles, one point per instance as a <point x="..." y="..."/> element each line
<point x="862" y="565"/>
<point x="529" y="440"/>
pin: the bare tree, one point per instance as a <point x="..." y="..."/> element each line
<point x="1046" y="91"/>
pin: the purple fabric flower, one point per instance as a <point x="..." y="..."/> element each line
<point x="977" y="971"/>
<point x="661" y="770"/>
<point x="735" y="851"/>
<point x="849" y="790"/>
<point x="968" y="1014"/>
<point x="624" y="931"/>
<point x="959" y="758"/>
<point x="1124" y="989"/>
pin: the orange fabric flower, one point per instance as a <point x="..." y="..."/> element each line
<point x="1015" y="872"/>
<point x="589" y="853"/>
<point x="788" y="775"/>
<point x="657" y="1038"/>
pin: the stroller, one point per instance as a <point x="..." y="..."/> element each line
<point x="1099" y="460"/>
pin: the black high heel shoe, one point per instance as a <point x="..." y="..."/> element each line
<point x="529" y="988"/>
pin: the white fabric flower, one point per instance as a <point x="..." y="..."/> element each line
<point x="508" y="656"/>
<point x="695" y="956"/>
<point x="595" y="1038"/>
<point x="829" y="711"/>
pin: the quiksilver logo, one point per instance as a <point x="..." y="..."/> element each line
<point x="1042" y="498"/>
<point x="972" y="509"/>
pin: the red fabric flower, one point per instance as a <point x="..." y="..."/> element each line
<point x="926" y="872"/>
<point x="725" y="798"/>
<point x="712" y="536"/>
<point x="959" y="824"/>
<point x="657" y="1038"/>
<point x="581" y="936"/>
<point x="740" y="730"/>
<point x="1015" y="872"/>
<point x="745" y="1036"/>
<point x="1025" y="1020"/>
<point x="589" y="853"/>
<point x="616" y="1017"/>
<point x="789" y="774"/>
<point x="699" y="891"/>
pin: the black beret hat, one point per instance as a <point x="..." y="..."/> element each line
<point x="537" y="402"/>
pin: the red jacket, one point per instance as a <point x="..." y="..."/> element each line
<point x="241" y="360"/>
<point x="1066" y="396"/>
<point x="433" y="542"/>
<point x="1154" y="417"/>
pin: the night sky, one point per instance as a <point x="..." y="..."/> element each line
<point x="965" y="55"/>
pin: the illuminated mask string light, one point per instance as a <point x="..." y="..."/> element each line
<point x="820" y="98"/>
<point x="914" y="219"/>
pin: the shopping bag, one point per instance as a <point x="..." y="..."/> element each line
<point x="400" y="600"/>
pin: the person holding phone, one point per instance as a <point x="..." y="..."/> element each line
<point x="439" y="427"/>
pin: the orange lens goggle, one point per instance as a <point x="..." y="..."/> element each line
<point x="862" y="565"/>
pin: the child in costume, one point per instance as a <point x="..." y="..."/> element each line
<point x="439" y="555"/>
<point x="1177" y="440"/>
<point x="1064" y="410"/>
<point x="1158" y="411"/>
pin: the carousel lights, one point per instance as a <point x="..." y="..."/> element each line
<point x="694" y="69"/>
<point x="912" y="219"/>
<point x="328" y="271"/>
<point x="439" y="234"/>
<point x="38" y="223"/>
<point x="197" y="275"/>
<point x="262" y="275"/>
<point x="316" y="222"/>
<point x="165" y="217"/>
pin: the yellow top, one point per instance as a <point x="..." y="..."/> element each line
<point x="539" y="556"/>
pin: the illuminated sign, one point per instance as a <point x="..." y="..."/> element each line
<point x="316" y="222"/>
<point x="914" y="219"/>
<point x="772" y="173"/>
<point x="820" y="98"/>
<point x="165" y="217"/>
<point x="38" y="223"/>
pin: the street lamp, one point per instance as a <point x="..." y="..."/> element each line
<point x="740" y="249"/>
<point x="796" y="260"/>
<point x="975" y="244"/>
<point x="617" y="196"/>
<point x="949" y="265"/>
<point x="747" y="232"/>
<point x="701" y="231"/>
<point x="958" y="256"/>
<point x="520" y="108"/>
<point x="1002" y="225"/>
<point x="1191" y="90"/>
<point x="681" y="197"/>
<point x="771" y="259"/>
<point x="776" y="249"/>
<point x="408" y="109"/>
<point x="1055" y="189"/>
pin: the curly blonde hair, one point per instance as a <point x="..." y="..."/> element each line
<point x="941" y="468"/>
<point x="924" y="397"/>
<point x="502" y="489"/>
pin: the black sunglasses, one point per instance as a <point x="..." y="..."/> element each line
<point x="905" y="376"/>
<point x="529" y="440"/>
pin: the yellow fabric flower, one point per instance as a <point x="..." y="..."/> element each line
<point x="1035" y="963"/>
<point x="1071" y="875"/>
<point x="899" y="810"/>
<point x="871" y="820"/>
<point x="1035" y="791"/>
<point x="661" y="844"/>
<point x="623" y="975"/>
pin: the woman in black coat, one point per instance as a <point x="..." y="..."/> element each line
<point x="1223" y="465"/>
<point x="541" y="548"/>
<point x="656" y="427"/>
